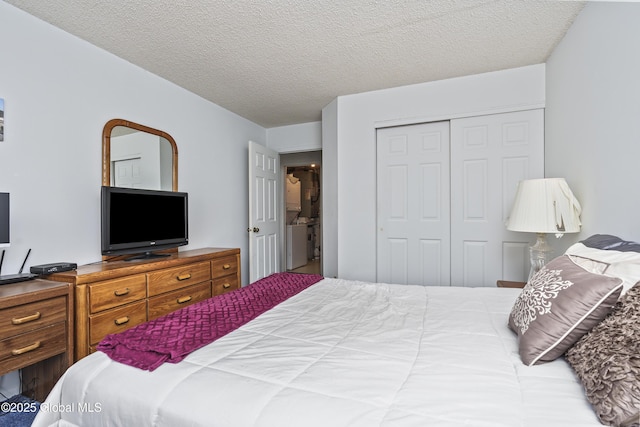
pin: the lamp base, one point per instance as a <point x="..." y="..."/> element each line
<point x="539" y="253"/>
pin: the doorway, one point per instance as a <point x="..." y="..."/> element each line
<point x="303" y="212"/>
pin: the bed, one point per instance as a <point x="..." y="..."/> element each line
<point x="341" y="353"/>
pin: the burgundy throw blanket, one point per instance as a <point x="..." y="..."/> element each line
<point x="172" y="337"/>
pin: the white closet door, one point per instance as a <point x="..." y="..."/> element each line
<point x="489" y="156"/>
<point x="413" y="204"/>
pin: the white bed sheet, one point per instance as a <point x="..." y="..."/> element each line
<point x="341" y="353"/>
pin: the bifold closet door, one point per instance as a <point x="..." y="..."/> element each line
<point x="444" y="192"/>
<point x="489" y="156"/>
<point x="413" y="230"/>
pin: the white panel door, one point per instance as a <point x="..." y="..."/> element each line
<point x="263" y="219"/>
<point x="489" y="156"/>
<point x="126" y="173"/>
<point x="413" y="204"/>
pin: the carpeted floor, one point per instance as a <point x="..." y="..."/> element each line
<point x="18" y="411"/>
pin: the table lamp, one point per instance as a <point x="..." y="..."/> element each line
<point x="544" y="206"/>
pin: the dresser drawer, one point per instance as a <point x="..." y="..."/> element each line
<point x="116" y="292"/>
<point x="171" y="301"/>
<point x="225" y="284"/>
<point x="31" y="347"/>
<point x="169" y="279"/>
<point x="116" y="320"/>
<point x="224" y="266"/>
<point x="27" y="317"/>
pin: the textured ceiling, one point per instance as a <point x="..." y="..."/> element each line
<point x="279" y="62"/>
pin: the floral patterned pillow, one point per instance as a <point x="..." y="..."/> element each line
<point x="560" y="304"/>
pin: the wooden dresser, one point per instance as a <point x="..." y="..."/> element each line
<point x="113" y="296"/>
<point x="36" y="324"/>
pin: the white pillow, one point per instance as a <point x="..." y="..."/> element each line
<point x="591" y="265"/>
<point x="625" y="265"/>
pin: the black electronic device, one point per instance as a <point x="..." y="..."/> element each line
<point x="56" y="267"/>
<point x="4" y="220"/>
<point x="15" y="278"/>
<point x="20" y="277"/>
<point x="136" y="221"/>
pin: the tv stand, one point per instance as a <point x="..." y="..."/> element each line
<point x="113" y="296"/>
<point x="147" y="256"/>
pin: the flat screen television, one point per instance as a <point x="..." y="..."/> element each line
<point x="4" y="220"/>
<point x="136" y="221"/>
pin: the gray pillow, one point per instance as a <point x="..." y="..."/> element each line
<point x="560" y="304"/>
<point x="607" y="361"/>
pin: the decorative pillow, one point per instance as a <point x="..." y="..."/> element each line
<point x="609" y="242"/>
<point x="589" y="264"/>
<point x="607" y="361"/>
<point x="622" y="264"/>
<point x="560" y="304"/>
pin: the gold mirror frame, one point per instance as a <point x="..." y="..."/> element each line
<point x="106" y="148"/>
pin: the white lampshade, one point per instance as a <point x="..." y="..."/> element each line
<point x="545" y="206"/>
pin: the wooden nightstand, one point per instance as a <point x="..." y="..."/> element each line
<point x="36" y="333"/>
<point x="510" y="284"/>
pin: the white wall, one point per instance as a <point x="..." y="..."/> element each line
<point x="59" y="91"/>
<point x="593" y="117"/>
<point x="295" y="138"/>
<point x="330" y="226"/>
<point x="351" y="129"/>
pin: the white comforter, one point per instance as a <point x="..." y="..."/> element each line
<point x="340" y="353"/>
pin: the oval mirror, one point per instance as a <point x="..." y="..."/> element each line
<point x="137" y="156"/>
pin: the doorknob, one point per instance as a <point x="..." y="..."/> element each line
<point x="256" y="229"/>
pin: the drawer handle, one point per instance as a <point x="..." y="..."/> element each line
<point x="184" y="276"/>
<point x="226" y="266"/>
<point x="122" y="320"/>
<point x="21" y="320"/>
<point x="182" y="300"/>
<point x="226" y="285"/>
<point x="27" y="349"/>
<point x="121" y="292"/>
